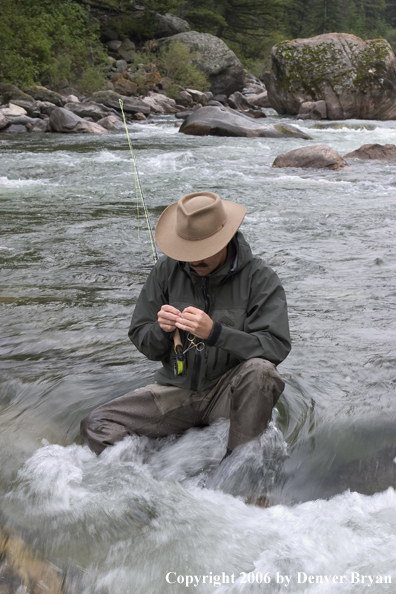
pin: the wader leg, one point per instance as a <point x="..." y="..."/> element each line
<point x="246" y="395"/>
<point x="138" y="413"/>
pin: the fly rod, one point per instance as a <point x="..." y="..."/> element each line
<point x="177" y="343"/>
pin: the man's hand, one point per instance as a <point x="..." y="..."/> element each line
<point x="195" y="321"/>
<point x="167" y="317"/>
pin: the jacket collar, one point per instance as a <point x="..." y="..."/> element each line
<point x="239" y="254"/>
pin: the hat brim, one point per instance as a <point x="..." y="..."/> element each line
<point x="186" y="250"/>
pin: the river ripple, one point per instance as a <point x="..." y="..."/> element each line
<point x="74" y="255"/>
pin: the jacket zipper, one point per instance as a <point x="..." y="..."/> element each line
<point x="198" y="354"/>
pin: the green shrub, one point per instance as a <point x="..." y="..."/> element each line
<point x="46" y="41"/>
<point x="176" y="62"/>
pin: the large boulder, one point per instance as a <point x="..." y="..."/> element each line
<point x="10" y="92"/>
<point x="319" y="156"/>
<point x="63" y="120"/>
<point x="379" y="152"/>
<point x="111" y="122"/>
<point x="355" y="78"/>
<point x="3" y="121"/>
<point x="89" y="109"/>
<point x="111" y="99"/>
<point x="167" y="24"/>
<point x="160" y="103"/>
<point x="215" y="59"/>
<point x="44" y="94"/>
<point x="223" y="121"/>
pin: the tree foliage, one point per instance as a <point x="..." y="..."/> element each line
<point x="46" y="41"/>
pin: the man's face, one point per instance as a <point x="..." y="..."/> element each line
<point x="208" y="265"/>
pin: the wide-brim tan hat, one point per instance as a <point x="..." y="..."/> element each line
<point x="198" y="226"/>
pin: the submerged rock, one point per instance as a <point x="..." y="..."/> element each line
<point x="23" y="571"/>
<point x="369" y="475"/>
<point x="355" y="78"/>
<point x="318" y="157"/>
<point x="380" y="152"/>
<point x="223" y="121"/>
<point x="62" y="120"/>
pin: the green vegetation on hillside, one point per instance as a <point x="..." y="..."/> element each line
<point x="47" y="41"/>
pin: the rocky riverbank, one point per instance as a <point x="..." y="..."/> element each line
<point x="305" y="80"/>
<point x="39" y="109"/>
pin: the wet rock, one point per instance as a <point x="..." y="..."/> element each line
<point x="111" y="99"/>
<point x="355" y="78"/>
<point x="139" y="116"/>
<point x="380" y="152"/>
<point x="89" y="109"/>
<point x="62" y="120"/>
<point x="23" y="572"/>
<point x="223" y="121"/>
<point x="111" y="122"/>
<point x="368" y="475"/>
<point x="15" y="129"/>
<point x="10" y="92"/>
<point x="44" y="94"/>
<point x="167" y="24"/>
<point x="215" y="59"/>
<point x="318" y="157"/>
<point x="313" y="110"/>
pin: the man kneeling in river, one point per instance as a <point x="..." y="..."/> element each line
<point x="230" y="312"/>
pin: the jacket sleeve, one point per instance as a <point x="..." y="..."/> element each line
<point x="145" y="331"/>
<point x="266" y="328"/>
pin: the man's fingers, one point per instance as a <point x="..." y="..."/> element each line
<point x="189" y="316"/>
<point x="170" y="309"/>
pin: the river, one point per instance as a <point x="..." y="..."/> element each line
<point x="309" y="499"/>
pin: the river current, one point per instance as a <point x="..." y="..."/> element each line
<point x="313" y="497"/>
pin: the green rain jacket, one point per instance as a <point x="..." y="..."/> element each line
<point x="245" y="300"/>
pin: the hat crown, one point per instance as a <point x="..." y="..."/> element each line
<point x="199" y="215"/>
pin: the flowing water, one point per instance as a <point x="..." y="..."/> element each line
<point x="312" y="497"/>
